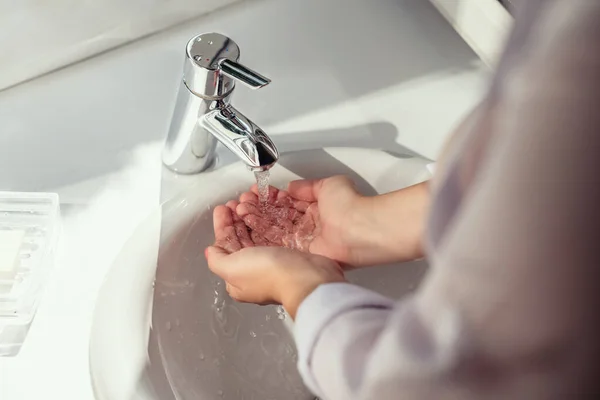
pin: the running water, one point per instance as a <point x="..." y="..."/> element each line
<point x="262" y="181"/>
<point x="269" y="210"/>
<point x="278" y="214"/>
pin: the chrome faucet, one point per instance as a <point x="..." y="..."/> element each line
<point x="203" y="113"/>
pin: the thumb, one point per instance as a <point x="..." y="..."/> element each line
<point x="305" y="189"/>
<point x="216" y="257"/>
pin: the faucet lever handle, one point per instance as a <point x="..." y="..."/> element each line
<point x="237" y="71"/>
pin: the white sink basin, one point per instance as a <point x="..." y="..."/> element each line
<point x="202" y="345"/>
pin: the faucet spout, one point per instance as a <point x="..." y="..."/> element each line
<point x="241" y="136"/>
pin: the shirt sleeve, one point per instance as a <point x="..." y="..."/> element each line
<point x="324" y="306"/>
<point x="508" y="309"/>
<point x="345" y="334"/>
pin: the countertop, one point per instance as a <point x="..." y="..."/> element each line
<point x="390" y="74"/>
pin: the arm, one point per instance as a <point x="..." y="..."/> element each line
<point x="392" y="225"/>
<point x="389" y="227"/>
<point x="506" y="309"/>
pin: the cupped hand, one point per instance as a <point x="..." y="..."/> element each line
<point x="315" y="216"/>
<point x="264" y="275"/>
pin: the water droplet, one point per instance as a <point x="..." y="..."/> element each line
<point x="176" y="321"/>
<point x="187" y="282"/>
<point x="168" y="325"/>
<point x="220" y="392"/>
<point x="267" y="317"/>
<point x="280" y="312"/>
<point x="201" y="356"/>
<point x="252" y="333"/>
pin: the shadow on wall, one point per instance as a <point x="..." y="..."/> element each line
<point x="348" y="52"/>
<point x="351" y="48"/>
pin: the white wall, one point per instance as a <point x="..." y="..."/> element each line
<point x="38" y="36"/>
<point x="386" y="74"/>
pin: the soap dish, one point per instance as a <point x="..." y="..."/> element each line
<point x="29" y="232"/>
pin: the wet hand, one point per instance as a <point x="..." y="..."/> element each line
<point x="281" y="221"/>
<point x="264" y="275"/>
<point x="313" y="216"/>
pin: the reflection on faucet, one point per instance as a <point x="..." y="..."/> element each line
<point x="241" y="136"/>
<point x="203" y="111"/>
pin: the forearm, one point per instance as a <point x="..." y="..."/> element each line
<point x="391" y="226"/>
<point x="353" y="343"/>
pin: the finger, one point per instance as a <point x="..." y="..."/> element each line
<point x="249" y="197"/>
<point x="244" y="209"/>
<point x="296" y="207"/>
<point x="285" y="217"/>
<point x="284" y="199"/>
<point x="241" y="230"/>
<point x="309" y="190"/>
<point x="233" y="291"/>
<point x="216" y="257"/>
<point x="301" y="205"/>
<point x="222" y="218"/>
<point x="258" y="239"/>
<point x="238" y="271"/>
<point x="232" y="205"/>
<point x="225" y="233"/>
<point x="282" y="217"/>
<point x="225" y="265"/>
<point x="305" y="189"/>
<point x="273" y="234"/>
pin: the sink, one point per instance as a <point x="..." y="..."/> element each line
<point x="164" y="326"/>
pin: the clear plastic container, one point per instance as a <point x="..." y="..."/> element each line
<point x="30" y="226"/>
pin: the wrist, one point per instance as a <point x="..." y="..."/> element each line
<point x="389" y="227"/>
<point x="293" y="296"/>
